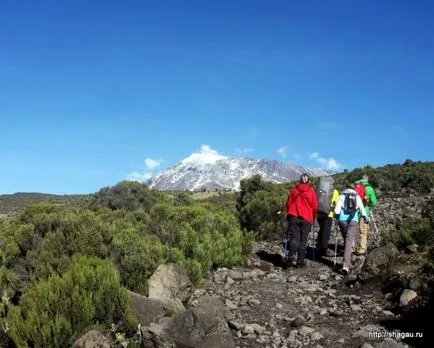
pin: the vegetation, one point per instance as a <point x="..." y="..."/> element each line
<point x="66" y="261"/>
<point x="65" y="269"/>
<point x="14" y="203"/>
<point x="417" y="176"/>
<point x="413" y="229"/>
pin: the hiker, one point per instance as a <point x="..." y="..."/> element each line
<point x="325" y="222"/>
<point x="369" y="200"/>
<point x="301" y="207"/>
<point x="347" y="211"/>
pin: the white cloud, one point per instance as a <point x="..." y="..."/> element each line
<point x="244" y="151"/>
<point x="327" y="163"/>
<point x="282" y="151"/>
<point x="151" y="163"/>
<point x="206" y="155"/>
<point x="136" y="176"/>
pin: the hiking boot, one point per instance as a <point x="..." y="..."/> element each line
<point x="345" y="270"/>
<point x="301" y="264"/>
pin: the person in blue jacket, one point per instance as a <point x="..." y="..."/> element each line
<point x="347" y="211"/>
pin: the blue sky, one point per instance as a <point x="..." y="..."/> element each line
<point x="93" y="92"/>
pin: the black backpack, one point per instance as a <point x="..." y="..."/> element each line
<point x="350" y="204"/>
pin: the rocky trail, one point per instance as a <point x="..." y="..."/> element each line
<point x="262" y="304"/>
<point x="314" y="306"/>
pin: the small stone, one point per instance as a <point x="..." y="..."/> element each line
<point x="306" y="330"/>
<point x="229" y="281"/>
<point x="388" y="313"/>
<point x="258" y="329"/>
<point x="254" y="302"/>
<point x="259" y="272"/>
<point x="292" y="336"/>
<point x="316" y="336"/>
<point x="323" y="277"/>
<point x="236" y="325"/>
<point x="356" y="307"/>
<point x="406" y="297"/>
<point x="248" y="329"/>
<point x="298" y="321"/>
<point x="230" y="304"/>
<point x="341" y="341"/>
<point x="235" y="275"/>
<point x="412" y="249"/>
<point x="279" y="306"/>
<point x="292" y="279"/>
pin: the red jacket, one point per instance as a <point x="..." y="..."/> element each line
<point x="302" y="202"/>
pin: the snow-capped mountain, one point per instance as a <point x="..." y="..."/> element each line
<point x="214" y="171"/>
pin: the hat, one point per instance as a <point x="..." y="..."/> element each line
<point x="303" y="175"/>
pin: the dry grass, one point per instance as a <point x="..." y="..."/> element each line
<point x="203" y="195"/>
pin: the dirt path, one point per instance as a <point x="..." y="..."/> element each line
<point x="308" y="307"/>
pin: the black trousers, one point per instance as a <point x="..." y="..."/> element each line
<point x="325" y="228"/>
<point x="298" y="231"/>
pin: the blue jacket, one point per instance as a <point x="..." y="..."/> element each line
<point x="339" y="211"/>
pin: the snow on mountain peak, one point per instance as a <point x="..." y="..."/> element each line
<point x="211" y="170"/>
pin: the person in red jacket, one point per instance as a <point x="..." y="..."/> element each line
<point x="301" y="207"/>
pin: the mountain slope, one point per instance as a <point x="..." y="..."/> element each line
<point x="220" y="172"/>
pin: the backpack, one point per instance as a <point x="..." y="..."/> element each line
<point x="324" y="194"/>
<point x="361" y="191"/>
<point x="350" y="204"/>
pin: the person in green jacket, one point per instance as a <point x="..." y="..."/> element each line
<point x="369" y="201"/>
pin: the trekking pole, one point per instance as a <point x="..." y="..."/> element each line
<point x="377" y="234"/>
<point x="336" y="245"/>
<point x="313" y="243"/>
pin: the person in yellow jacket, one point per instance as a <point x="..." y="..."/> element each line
<point x="325" y="223"/>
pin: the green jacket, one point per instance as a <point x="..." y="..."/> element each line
<point x="370" y="192"/>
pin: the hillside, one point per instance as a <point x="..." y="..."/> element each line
<point x="12" y="203"/>
<point x="112" y="253"/>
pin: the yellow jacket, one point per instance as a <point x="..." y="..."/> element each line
<point x="335" y="199"/>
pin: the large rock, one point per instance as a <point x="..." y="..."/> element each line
<point x="198" y="327"/>
<point x="146" y="310"/>
<point x="92" y="339"/>
<point x="378" y="258"/>
<point x="169" y="284"/>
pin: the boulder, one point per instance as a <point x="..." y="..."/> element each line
<point x="92" y="339"/>
<point x="378" y="258"/>
<point x="202" y="326"/>
<point x="170" y="284"/>
<point x="147" y="310"/>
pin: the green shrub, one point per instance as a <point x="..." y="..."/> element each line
<point x="56" y="311"/>
<point x="410" y="230"/>
<point x="137" y="257"/>
<point x="261" y="207"/>
<point x="127" y="195"/>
